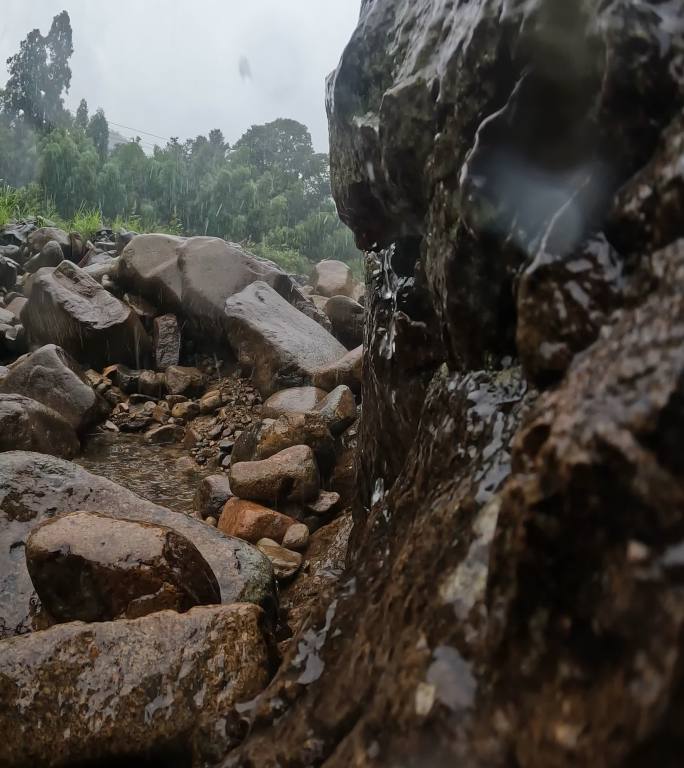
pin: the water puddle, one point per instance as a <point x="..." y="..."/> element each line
<point x="144" y="468"/>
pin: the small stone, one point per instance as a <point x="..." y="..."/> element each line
<point x="212" y="521"/>
<point x="226" y="445"/>
<point x="168" y="433"/>
<point x="252" y="522"/>
<point x="185" y="411"/>
<point x="213" y="492"/>
<point x="191" y="437"/>
<point x="324" y="505"/>
<point x="296" y="537"/>
<point x="293" y="400"/>
<point x="210" y="402"/>
<point x="285" y="562"/>
<point x="175" y="399"/>
<point x="184" y="381"/>
<point x="338" y="409"/>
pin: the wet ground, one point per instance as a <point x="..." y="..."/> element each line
<point x="144" y="468"/>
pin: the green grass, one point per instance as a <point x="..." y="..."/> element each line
<point x="86" y="222"/>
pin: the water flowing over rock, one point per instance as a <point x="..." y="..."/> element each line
<point x="35" y="487"/>
<point x="281" y="345"/>
<point x="66" y="306"/>
<point x="512" y="594"/>
<point x="163" y="688"/>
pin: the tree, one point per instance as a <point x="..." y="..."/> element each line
<point x="40" y="74"/>
<point x="82" y="115"/>
<point x="98" y="131"/>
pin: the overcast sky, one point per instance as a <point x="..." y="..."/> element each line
<point x="172" y="67"/>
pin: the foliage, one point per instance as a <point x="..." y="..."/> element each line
<point x="270" y="191"/>
<point x="40" y="73"/>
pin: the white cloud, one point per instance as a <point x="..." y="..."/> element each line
<point x="173" y="67"/>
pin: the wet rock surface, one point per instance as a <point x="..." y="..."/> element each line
<point x="163" y="688"/>
<point x="280" y="344"/>
<point x="27" y="425"/>
<point x="50" y="376"/>
<point x="67" y="305"/>
<point x="88" y="567"/>
<point x="35" y="487"/>
<point x="511" y="593"/>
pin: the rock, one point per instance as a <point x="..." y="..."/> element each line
<point x="186" y="411"/>
<point x="210" y="402"/>
<point x="150" y="383"/>
<point x="88" y="567"/>
<point x="39" y="238"/>
<point x="182" y="380"/>
<point x="196" y="276"/>
<point x="290" y="475"/>
<point x="166" y="433"/>
<point x="285" y="562"/>
<point x="212" y="493"/>
<point x="68" y="306"/>
<point x="169" y="677"/>
<point x="291" y="401"/>
<point x="281" y="344"/>
<point x="296" y="537"/>
<point x="347" y="370"/>
<point x="50" y="255"/>
<point x="53" y="378"/>
<point x="35" y="487"/>
<point x="338" y="409"/>
<point x="266" y="438"/>
<point x="149" y="266"/>
<point x="166" y="341"/>
<point x="8" y="272"/>
<point x="325" y="505"/>
<point x="27" y="425"/>
<point x="251" y="522"/>
<point x="346" y="318"/>
<point x="186" y="465"/>
<point x="15" y="233"/>
<point x="332" y="278"/>
<point x="16" y="305"/>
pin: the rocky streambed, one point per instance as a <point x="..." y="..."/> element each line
<point x="458" y="543"/>
<point x="172" y="501"/>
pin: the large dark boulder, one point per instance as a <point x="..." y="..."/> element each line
<point x="50" y="376"/>
<point x="513" y="586"/>
<point x="35" y="488"/>
<point x="67" y="306"/>
<point x="27" y="425"/>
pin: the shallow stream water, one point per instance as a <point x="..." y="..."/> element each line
<point x="149" y="470"/>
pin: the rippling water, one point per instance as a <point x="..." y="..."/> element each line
<point x="146" y="469"/>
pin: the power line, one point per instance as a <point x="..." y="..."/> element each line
<point x="138" y="130"/>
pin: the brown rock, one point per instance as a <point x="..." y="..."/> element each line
<point x="184" y="381"/>
<point x="290" y="475"/>
<point x="285" y="562"/>
<point x="212" y="493"/>
<point x="152" y="383"/>
<point x="296" y="537"/>
<point x="35" y="487"/>
<point x="332" y="278"/>
<point x="268" y="437"/>
<point x="347" y="370"/>
<point x="87" y="567"/>
<point x="293" y="400"/>
<point x="167" y="679"/>
<point x="186" y="411"/>
<point x="210" y="402"/>
<point x="251" y="522"/>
